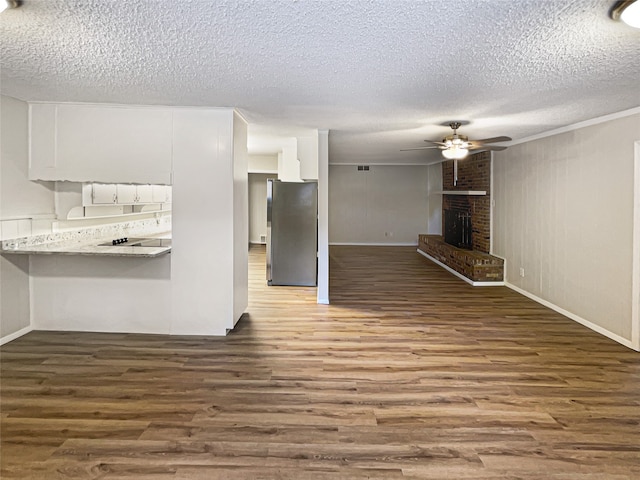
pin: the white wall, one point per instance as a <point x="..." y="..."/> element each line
<point x="288" y="163"/>
<point x="308" y="156"/>
<point x="258" y="205"/>
<point x="434" y="210"/>
<point x="363" y="206"/>
<point x="19" y="198"/>
<point x="263" y="163"/>
<point x="564" y="213"/>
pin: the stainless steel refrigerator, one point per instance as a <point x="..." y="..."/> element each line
<point x="292" y="233"/>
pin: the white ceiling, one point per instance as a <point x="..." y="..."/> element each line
<point x="380" y="75"/>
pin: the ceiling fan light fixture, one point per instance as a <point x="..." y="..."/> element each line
<point x="627" y="11"/>
<point x="455" y="152"/>
<point x="6" y="4"/>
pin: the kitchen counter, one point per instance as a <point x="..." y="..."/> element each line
<point x="65" y="248"/>
<point x="87" y="242"/>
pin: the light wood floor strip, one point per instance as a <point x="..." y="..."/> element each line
<point x="410" y="373"/>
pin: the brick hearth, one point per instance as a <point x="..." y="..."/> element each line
<point x="476" y="266"/>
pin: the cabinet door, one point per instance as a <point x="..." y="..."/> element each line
<point x="161" y="193"/>
<point x="103" y="194"/>
<point x="144" y="194"/>
<point x="126" y="194"/>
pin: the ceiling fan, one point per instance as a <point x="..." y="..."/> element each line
<point x="457" y="147"/>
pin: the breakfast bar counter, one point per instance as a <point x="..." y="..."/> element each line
<point x="137" y="241"/>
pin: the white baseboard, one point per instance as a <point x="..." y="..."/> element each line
<point x="14" y="335"/>
<point x="459" y="275"/>
<point x="358" y="244"/>
<point x="574" y="317"/>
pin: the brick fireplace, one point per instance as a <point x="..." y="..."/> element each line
<point x="474" y="174"/>
<point x="466" y="214"/>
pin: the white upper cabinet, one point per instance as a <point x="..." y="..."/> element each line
<point x="144" y="194"/>
<point x="161" y="193"/>
<point x="104" y="194"/>
<point x="132" y="194"/>
<point x="124" y="194"/>
<point x="101" y="143"/>
<point x="127" y="194"/>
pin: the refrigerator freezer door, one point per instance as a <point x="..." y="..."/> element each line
<point x="292" y="233"/>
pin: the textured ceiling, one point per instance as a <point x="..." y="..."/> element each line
<point x="380" y="75"/>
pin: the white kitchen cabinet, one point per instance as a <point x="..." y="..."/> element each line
<point x="105" y="143"/>
<point x="126" y="194"/>
<point x="103" y="194"/>
<point x="144" y="194"/>
<point x="161" y="193"/>
<point x="134" y="194"/>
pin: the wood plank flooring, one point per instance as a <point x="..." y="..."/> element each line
<point x="409" y="374"/>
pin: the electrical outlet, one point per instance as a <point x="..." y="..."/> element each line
<point x="521" y="271"/>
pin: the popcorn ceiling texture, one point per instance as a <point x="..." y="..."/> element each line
<point x="381" y="75"/>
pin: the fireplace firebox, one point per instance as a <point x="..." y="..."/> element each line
<point x="457" y="228"/>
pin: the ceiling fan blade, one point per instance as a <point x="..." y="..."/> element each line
<point x="436" y="143"/>
<point x="492" y="140"/>
<point x="495" y="148"/>
<point x="418" y="148"/>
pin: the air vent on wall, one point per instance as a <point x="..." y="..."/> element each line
<point x="362" y="168"/>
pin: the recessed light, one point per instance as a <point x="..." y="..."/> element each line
<point x="628" y="11"/>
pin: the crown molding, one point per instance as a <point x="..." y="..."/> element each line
<point x="576" y="126"/>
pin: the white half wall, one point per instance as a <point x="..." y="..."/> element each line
<point x="102" y="294"/>
<point x="564" y="214"/>
<point x="14" y="295"/>
<point x="385" y="205"/>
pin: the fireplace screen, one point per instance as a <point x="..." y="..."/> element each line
<point x="457" y="228"/>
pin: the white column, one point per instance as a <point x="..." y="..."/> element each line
<point x="202" y="259"/>
<point x="240" y="218"/>
<point x="323" y="216"/>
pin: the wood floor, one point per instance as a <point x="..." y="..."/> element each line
<point x="410" y="373"/>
